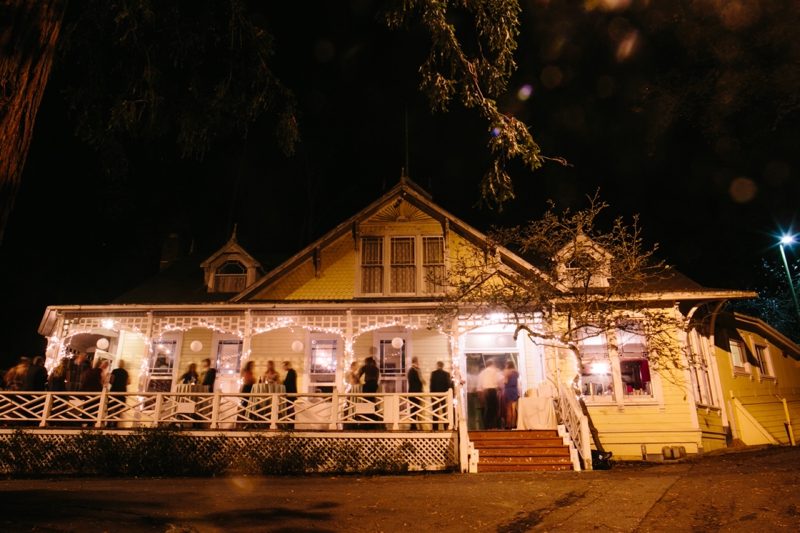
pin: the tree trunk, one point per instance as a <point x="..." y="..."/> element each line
<point x="28" y="35"/>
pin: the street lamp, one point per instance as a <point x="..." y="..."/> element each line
<point x="786" y="240"/>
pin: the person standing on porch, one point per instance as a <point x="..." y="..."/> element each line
<point x="77" y="369"/>
<point x="120" y="379"/>
<point x="414" y="387"/>
<point x="290" y="380"/>
<point x="271" y="375"/>
<point x="371" y="375"/>
<point x="248" y="380"/>
<point x="511" y="394"/>
<point x="208" y="375"/>
<point x="441" y="381"/>
<point x="488" y="382"/>
<point x="36" y="376"/>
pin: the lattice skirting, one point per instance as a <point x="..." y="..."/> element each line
<point x="69" y="451"/>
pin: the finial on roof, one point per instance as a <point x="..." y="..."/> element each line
<point x="233" y="237"/>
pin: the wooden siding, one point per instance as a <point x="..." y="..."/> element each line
<point x="713" y="431"/>
<point x="362" y="348"/>
<point x="276" y="346"/>
<point x="187" y="356"/>
<point x="429" y="346"/>
<point x="769" y="413"/>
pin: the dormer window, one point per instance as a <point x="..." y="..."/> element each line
<point x="405" y="265"/>
<point x="231" y="276"/>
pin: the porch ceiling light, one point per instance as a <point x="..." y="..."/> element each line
<point x="196" y="346"/>
<point x="107" y="323"/>
<point x="397" y="343"/>
<point x="102" y="343"/>
<point x="297" y="346"/>
<point x="601" y="368"/>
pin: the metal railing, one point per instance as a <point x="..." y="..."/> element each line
<point x="577" y="425"/>
<point x="313" y="411"/>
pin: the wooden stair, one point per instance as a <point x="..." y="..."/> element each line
<point x="520" y="451"/>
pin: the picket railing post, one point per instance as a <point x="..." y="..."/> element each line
<point x="101" y="409"/>
<point x="334" y="409"/>
<point x="215" y="405"/>
<point x="48" y="406"/>
<point x="157" y="411"/>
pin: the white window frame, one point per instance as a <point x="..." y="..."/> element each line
<point x="764" y="358"/>
<point x="216" y="338"/>
<point x="311" y="337"/>
<point x="177" y="338"/>
<point x="744" y="368"/>
<point x="386" y="267"/>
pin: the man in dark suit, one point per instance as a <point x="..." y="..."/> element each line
<point x="208" y="375"/>
<point x="414" y="386"/>
<point x="440" y="382"/>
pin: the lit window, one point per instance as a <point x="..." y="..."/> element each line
<point x="161" y="362"/>
<point x="372" y="265"/>
<point x="634" y="366"/>
<point x="404" y="270"/>
<point x="433" y="264"/>
<point x="596" y="378"/>
<point x="402" y="265"/>
<point x="323" y="356"/>
<point x="392" y="360"/>
<point x="229" y="356"/>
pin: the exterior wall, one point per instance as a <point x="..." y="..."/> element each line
<point x="276" y="345"/>
<point x="712" y="428"/>
<point x="132" y="351"/>
<point x="187" y="356"/>
<point x="760" y="395"/>
<point x="362" y="348"/>
<point x="430" y="346"/>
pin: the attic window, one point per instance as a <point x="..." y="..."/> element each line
<point x="231" y="276"/>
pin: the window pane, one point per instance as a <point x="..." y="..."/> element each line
<point x="433" y="264"/>
<point x="162" y="357"/>
<point x="229" y="356"/>
<point x="737" y="355"/>
<point x="631" y="340"/>
<point x="592" y="342"/>
<point x="323" y="356"/>
<point x="372" y="265"/>
<point x="762" y="355"/>
<point x="403" y="269"/>
<point x="393" y="360"/>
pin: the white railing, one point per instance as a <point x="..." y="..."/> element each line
<point x="576" y="423"/>
<point x="335" y="411"/>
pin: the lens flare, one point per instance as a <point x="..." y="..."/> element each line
<point x="524" y="92"/>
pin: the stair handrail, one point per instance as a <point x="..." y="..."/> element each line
<point x="576" y="424"/>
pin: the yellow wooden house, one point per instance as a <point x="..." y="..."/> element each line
<point x="363" y="290"/>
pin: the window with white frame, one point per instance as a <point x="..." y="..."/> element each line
<point x="738" y="355"/>
<point x="704" y="394"/>
<point x="229" y="356"/>
<point x="764" y="361"/>
<point x="596" y="378"/>
<point x="433" y="264"/>
<point x="403" y="272"/>
<point x="402" y="265"/>
<point x="633" y="364"/>
<point x="161" y="364"/>
<point x="372" y="265"/>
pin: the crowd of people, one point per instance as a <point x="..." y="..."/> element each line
<point x="498" y="393"/>
<point x="70" y="374"/>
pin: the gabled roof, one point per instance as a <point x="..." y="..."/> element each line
<point x="231" y="248"/>
<point x="388" y="207"/>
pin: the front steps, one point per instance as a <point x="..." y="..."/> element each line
<point x="520" y="451"/>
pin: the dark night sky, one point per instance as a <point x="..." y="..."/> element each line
<point x="77" y="237"/>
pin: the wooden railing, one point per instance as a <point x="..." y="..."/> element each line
<point x="335" y="411"/>
<point x="577" y="425"/>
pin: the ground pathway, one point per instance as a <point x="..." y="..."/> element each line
<point x="749" y="491"/>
